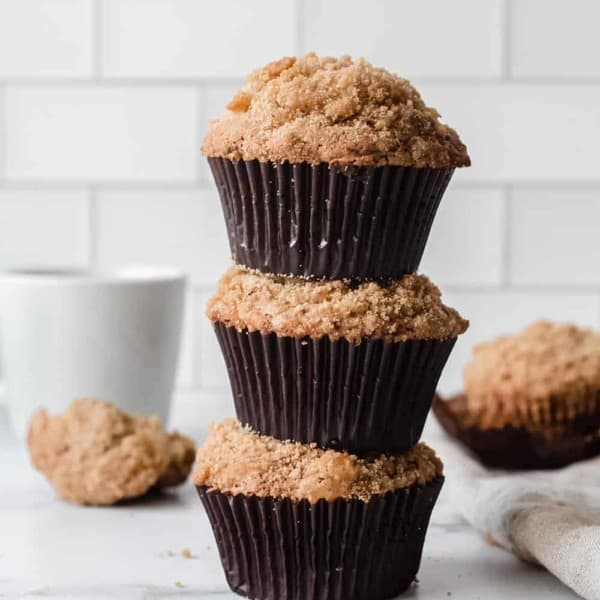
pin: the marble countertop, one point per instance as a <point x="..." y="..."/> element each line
<point x="50" y="549"/>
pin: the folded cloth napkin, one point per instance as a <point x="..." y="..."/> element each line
<point x="551" y="518"/>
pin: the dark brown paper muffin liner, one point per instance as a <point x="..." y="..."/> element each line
<point x="280" y="550"/>
<point x="511" y="447"/>
<point x="323" y="221"/>
<point x="370" y="397"/>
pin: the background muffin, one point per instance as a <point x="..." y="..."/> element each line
<point x="344" y="365"/>
<point x="356" y="161"/>
<point x="540" y="388"/>
<point x="293" y="521"/>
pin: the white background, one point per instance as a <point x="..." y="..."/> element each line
<point x="103" y="104"/>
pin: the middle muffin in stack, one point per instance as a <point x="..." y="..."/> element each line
<point x="330" y="173"/>
<point x="348" y="366"/>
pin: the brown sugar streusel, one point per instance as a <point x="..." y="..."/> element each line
<point x="334" y="110"/>
<point x="407" y="309"/>
<point x="546" y="375"/>
<point x="236" y="460"/>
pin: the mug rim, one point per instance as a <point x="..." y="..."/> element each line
<point x="126" y="275"/>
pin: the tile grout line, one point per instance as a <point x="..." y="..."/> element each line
<point x="144" y="82"/>
<point x="3" y="131"/>
<point x="93" y="228"/>
<point x="126" y="81"/>
<point x="200" y="116"/>
<point x="299" y="30"/>
<point x="98" y="39"/>
<point x="506" y="236"/>
<point x="137" y="186"/>
<point x="507" y="39"/>
<point x="198" y="375"/>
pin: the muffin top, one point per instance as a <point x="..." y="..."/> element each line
<point x="236" y="460"/>
<point x="407" y="309"/>
<point x="336" y="111"/>
<point x="547" y="374"/>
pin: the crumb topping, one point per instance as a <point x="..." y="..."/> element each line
<point x="96" y="454"/>
<point x="547" y="374"/>
<point x="338" y="111"/>
<point x="236" y="460"/>
<point x="410" y="308"/>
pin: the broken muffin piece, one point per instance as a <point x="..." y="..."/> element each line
<point x="97" y="454"/>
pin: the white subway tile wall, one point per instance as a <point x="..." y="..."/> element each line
<point x="45" y="228"/>
<point x="214" y="100"/>
<point x="466" y="243"/>
<point x="46" y="38"/>
<point x="555" y="39"/>
<point x="92" y="133"/>
<point x="188" y="38"/>
<point x="429" y="38"/>
<point x="183" y="227"/>
<point x="523" y="132"/>
<point x="555" y="237"/>
<point x="103" y="105"/>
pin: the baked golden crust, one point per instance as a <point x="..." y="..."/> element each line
<point x="336" y="111"/>
<point x="96" y="454"/>
<point x="546" y="375"/>
<point x="238" y="461"/>
<point x="410" y="308"/>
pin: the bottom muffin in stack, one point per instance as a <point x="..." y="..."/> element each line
<point x="530" y="401"/>
<point x="293" y="521"/>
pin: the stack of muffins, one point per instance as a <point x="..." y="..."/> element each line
<point x="330" y="173"/>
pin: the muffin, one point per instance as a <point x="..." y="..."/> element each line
<point x="330" y="168"/>
<point x="532" y="400"/>
<point x="345" y="365"/>
<point x="293" y="521"/>
<point x="95" y="454"/>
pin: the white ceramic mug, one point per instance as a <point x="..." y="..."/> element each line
<point x="69" y="334"/>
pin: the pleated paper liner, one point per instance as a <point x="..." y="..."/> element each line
<point x="345" y="550"/>
<point x="370" y="397"/>
<point x="322" y="221"/>
<point x="518" y="447"/>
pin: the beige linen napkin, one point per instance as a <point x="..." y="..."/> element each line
<point x="547" y="517"/>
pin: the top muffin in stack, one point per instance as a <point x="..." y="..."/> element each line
<point x="329" y="168"/>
